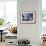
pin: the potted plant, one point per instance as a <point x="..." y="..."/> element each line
<point x="1" y="22"/>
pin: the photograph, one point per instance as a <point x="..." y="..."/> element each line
<point x="28" y="17"/>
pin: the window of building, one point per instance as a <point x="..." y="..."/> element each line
<point x="8" y="11"/>
<point x="44" y="16"/>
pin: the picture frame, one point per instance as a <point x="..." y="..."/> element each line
<point x="28" y="17"/>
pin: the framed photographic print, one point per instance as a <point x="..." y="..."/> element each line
<point x="28" y="17"/>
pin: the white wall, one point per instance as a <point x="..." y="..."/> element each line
<point x="29" y="31"/>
